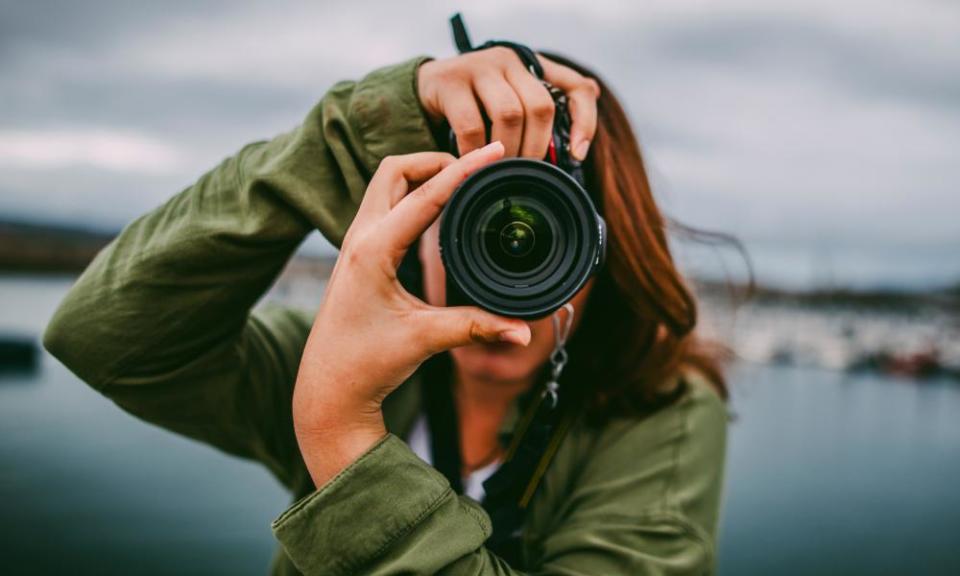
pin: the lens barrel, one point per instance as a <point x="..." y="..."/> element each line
<point x="519" y="238"/>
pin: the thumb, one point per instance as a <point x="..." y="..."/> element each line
<point x="461" y="325"/>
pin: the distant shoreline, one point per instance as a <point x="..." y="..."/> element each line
<point x="877" y="300"/>
<point x="56" y="250"/>
<point x="47" y="249"/>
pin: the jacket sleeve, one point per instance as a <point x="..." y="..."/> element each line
<point x="161" y="320"/>
<point x="642" y="500"/>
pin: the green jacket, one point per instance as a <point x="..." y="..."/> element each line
<point x="162" y="323"/>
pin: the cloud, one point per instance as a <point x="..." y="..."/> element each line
<point x="807" y="128"/>
<point x="97" y="148"/>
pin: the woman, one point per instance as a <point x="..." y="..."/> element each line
<point x="161" y="323"/>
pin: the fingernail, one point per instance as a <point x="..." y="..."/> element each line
<point x="494" y="144"/>
<point x="513" y="335"/>
<point x="581" y="150"/>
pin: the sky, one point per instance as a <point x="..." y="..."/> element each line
<point x="824" y="134"/>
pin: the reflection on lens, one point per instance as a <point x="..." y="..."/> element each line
<point x="517" y="239"/>
<point x="516" y="236"/>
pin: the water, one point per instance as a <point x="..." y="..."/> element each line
<point x="87" y="489"/>
<point x="827" y="474"/>
<point x="838" y="474"/>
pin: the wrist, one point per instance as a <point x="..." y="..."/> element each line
<point x="332" y="440"/>
<point x="425" y="94"/>
<point x="332" y="426"/>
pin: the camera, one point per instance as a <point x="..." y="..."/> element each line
<point x="520" y="237"/>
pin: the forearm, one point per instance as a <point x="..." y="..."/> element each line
<point x="181" y="279"/>
<point x="388" y="513"/>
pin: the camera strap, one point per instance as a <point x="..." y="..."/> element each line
<point x="462" y="40"/>
<point x="534" y="442"/>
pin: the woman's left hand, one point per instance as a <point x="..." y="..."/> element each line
<point x="495" y="82"/>
<point x="370" y="334"/>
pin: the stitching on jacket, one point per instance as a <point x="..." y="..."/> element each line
<point x="476" y="517"/>
<point x="671" y="481"/>
<point x="279" y="523"/>
<point x="674" y="518"/>
<point x="129" y="359"/>
<point x="430" y="509"/>
<point x="669" y="503"/>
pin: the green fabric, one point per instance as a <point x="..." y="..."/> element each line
<point x="161" y="323"/>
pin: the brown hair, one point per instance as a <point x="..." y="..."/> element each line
<point x="640" y="329"/>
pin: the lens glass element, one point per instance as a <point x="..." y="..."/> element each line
<point x="517" y="239"/>
<point x="516" y="236"/>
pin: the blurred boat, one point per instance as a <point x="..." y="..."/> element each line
<point x="907" y="335"/>
<point x="18" y="353"/>
<point x="923" y="364"/>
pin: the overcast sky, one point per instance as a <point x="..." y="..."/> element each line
<point x="825" y="134"/>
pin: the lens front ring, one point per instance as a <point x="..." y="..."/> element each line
<point x="546" y="194"/>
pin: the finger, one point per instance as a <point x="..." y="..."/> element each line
<point x="583" y="118"/>
<point x="538" y="109"/>
<point x="582" y="94"/>
<point x="418" y="209"/>
<point x="504" y="109"/>
<point x="396" y="174"/>
<point x="461" y="110"/>
<point x="446" y="328"/>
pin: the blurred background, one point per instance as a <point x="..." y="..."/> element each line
<point x="823" y="134"/>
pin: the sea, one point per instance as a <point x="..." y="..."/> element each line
<point x="828" y="472"/>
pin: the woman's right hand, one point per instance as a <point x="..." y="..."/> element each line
<point x="370" y="334"/>
<point x="516" y="102"/>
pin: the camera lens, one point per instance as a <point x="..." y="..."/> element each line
<point x="516" y="235"/>
<point x="519" y="237"/>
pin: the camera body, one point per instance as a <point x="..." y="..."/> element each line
<point x="520" y="237"/>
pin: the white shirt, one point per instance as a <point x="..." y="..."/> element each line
<point x="419" y="442"/>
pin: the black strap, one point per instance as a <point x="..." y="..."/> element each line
<point x="460" y="36"/>
<point x="508" y="489"/>
<point x="504" y="490"/>
<point x="442" y="420"/>
<point x="462" y="40"/>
